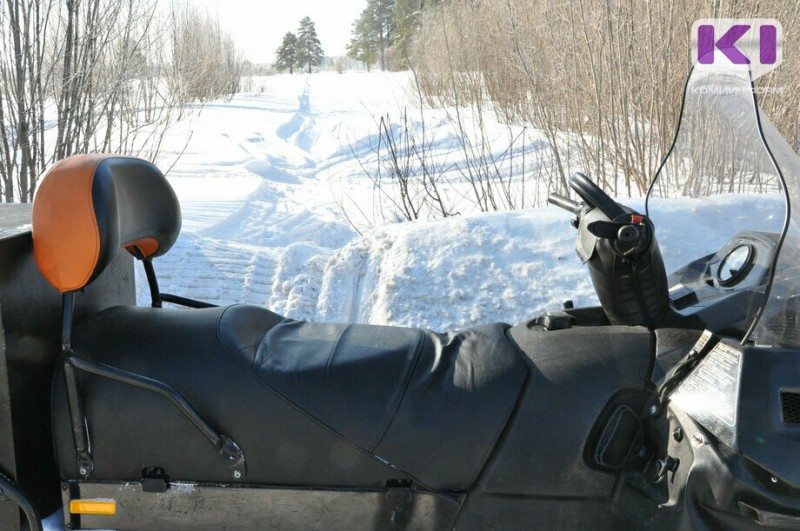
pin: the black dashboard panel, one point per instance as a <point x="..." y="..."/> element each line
<point x="725" y="288"/>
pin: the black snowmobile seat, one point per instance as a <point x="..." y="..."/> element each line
<point x="310" y="404"/>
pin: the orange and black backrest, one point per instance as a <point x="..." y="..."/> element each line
<point x="87" y="206"/>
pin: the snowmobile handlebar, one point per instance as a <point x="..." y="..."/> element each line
<point x="564" y="202"/>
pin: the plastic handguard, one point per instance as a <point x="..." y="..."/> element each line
<point x="632" y="290"/>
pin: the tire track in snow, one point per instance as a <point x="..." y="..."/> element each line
<point x="268" y="248"/>
<point x="297" y="130"/>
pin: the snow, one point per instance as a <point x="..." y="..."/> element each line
<point x="261" y="180"/>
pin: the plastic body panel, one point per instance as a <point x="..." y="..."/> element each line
<point x="717" y="488"/>
<point x="741" y="404"/>
<point x="696" y="290"/>
<point x="31" y="319"/>
<point x="9" y="511"/>
<point x="188" y="506"/>
<point x="538" y="473"/>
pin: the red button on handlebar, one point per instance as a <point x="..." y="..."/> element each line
<point x="636" y="219"/>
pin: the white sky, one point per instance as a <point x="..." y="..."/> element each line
<point x="259" y="26"/>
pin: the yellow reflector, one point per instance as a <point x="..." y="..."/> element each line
<point x="103" y="507"/>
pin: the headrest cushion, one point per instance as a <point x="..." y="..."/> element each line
<point x="87" y="206"/>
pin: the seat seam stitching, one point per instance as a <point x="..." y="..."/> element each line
<point x="407" y="383"/>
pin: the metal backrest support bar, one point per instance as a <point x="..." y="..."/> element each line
<point x="152" y="281"/>
<point x="159" y="298"/>
<point x="183" y="301"/>
<point x="233" y="455"/>
<point x="227" y="448"/>
<point x="80" y="431"/>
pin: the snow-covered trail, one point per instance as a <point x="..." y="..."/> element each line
<point x="259" y="184"/>
<point x="259" y="217"/>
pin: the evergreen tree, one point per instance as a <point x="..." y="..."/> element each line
<point x="363" y="43"/>
<point x="286" y="55"/>
<point x="381" y="15"/>
<point x="372" y="32"/>
<point x="309" y="50"/>
<point x="406" y="18"/>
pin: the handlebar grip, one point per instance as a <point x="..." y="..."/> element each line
<point x="564" y="202"/>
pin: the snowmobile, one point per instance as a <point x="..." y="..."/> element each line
<point x="675" y="404"/>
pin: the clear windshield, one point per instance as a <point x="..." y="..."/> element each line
<point x="718" y="158"/>
<point x="718" y="149"/>
<point x="779" y="324"/>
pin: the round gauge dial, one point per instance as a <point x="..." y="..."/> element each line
<point x="735" y="265"/>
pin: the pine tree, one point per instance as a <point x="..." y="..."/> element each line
<point x="286" y="54"/>
<point x="372" y="32"/>
<point x="406" y="17"/>
<point x="309" y="50"/>
<point x="381" y="16"/>
<point x="363" y="43"/>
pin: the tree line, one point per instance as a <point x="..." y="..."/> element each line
<point x="103" y="76"/>
<point x="381" y="35"/>
<point x="302" y="50"/>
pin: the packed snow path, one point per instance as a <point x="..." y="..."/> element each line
<point x="259" y="183"/>
<point x="249" y="189"/>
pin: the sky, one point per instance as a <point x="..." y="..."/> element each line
<point x="258" y="26"/>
